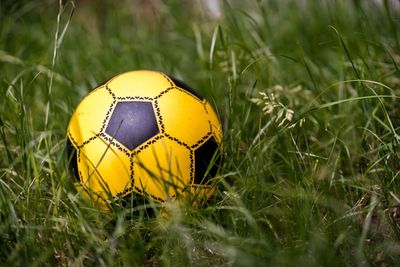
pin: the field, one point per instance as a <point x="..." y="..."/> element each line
<point x="308" y="94"/>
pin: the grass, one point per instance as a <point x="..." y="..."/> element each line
<point x="308" y="93"/>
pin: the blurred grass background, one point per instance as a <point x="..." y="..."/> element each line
<point x="308" y="93"/>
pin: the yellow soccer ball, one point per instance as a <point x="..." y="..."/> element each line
<point x="148" y="134"/>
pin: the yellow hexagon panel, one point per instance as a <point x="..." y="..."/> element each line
<point x="163" y="169"/>
<point x="104" y="169"/>
<point x="94" y="200"/>
<point x="183" y="116"/>
<point x="89" y="116"/>
<point x="140" y="83"/>
<point x="198" y="195"/>
<point x="215" y="122"/>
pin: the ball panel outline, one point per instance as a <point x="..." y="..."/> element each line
<point x="91" y="118"/>
<point x="183" y="116"/>
<point x="215" y="122"/>
<point x="188" y="89"/>
<point x="132" y="123"/>
<point x="207" y="160"/>
<point x="162" y="169"/>
<point x="107" y="168"/>
<point x="141" y="83"/>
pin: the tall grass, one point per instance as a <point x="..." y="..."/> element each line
<point x="308" y="94"/>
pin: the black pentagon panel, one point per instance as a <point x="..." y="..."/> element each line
<point x="132" y="123"/>
<point x="186" y="87"/>
<point x="204" y="156"/>
<point x="72" y="159"/>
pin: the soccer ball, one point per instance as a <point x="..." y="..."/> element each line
<point x="148" y="134"/>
